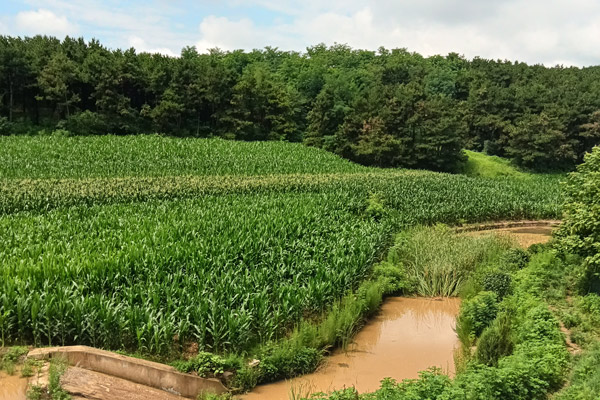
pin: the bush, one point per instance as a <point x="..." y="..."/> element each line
<point x="375" y="207"/>
<point x="544" y="276"/>
<point x="204" y="364"/>
<point x="283" y="362"/>
<point x="516" y="257"/>
<point x="495" y="342"/>
<point x="87" y="123"/>
<point x="392" y="276"/>
<point x="580" y="229"/>
<point x="481" y="310"/>
<point x="497" y="282"/>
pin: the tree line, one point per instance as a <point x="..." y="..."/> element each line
<point x="390" y="108"/>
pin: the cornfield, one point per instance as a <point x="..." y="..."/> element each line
<point x="137" y="255"/>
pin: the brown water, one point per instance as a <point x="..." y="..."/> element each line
<point x="407" y="336"/>
<point x="12" y="387"/>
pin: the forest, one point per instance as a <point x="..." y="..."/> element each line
<point x="387" y="108"/>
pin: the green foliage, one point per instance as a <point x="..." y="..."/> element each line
<point x="585" y="379"/>
<point x="24" y="157"/>
<point x="30" y="367"/>
<point x="438" y="262"/>
<point x="5" y="126"/>
<point x="480" y="164"/>
<point x="262" y="107"/>
<point x="229" y="249"/>
<point x="497" y="282"/>
<point x="496" y="341"/>
<point x="205" y="364"/>
<point x="538" y="141"/>
<point x="10" y="357"/>
<point x="212" y="396"/>
<point x="35" y="392"/>
<point x="87" y="123"/>
<point x="288" y="361"/>
<point x="580" y="230"/>
<point x="481" y="310"/>
<point x="516" y="258"/>
<point x="57" y="368"/>
<point x="387" y="107"/>
<point x="375" y="207"/>
<point x="53" y="391"/>
<point x="544" y="276"/>
<point x="393" y="276"/>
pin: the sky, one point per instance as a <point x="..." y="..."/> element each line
<point x="550" y="32"/>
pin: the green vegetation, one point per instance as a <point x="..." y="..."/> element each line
<point x="146" y="156"/>
<point x="579" y="233"/>
<point x="520" y="351"/>
<point x="228" y="263"/>
<point x="53" y="391"/>
<point x="10" y="357"/>
<point x="388" y="108"/>
<point x="438" y="262"/>
<point x="480" y="164"/>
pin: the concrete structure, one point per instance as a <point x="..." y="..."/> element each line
<point x="136" y="370"/>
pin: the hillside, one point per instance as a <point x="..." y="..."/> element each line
<point x="483" y="165"/>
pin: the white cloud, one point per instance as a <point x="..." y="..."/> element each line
<point x="44" y="21"/>
<point x="229" y="35"/>
<point x="535" y="31"/>
<point x="142" y="25"/>
<point x="141" y="46"/>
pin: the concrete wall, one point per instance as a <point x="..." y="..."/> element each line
<point x="145" y="372"/>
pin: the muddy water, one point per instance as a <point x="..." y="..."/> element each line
<point x="12" y="387"/>
<point x="525" y="236"/>
<point x="408" y="336"/>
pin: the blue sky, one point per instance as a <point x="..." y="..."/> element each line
<point x="536" y="31"/>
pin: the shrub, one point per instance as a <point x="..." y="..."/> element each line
<point x="392" y="276"/>
<point x="481" y="310"/>
<point x="497" y="282"/>
<point x="579" y="231"/>
<point x="544" y="276"/>
<point x="282" y="362"/>
<point x="375" y="207"/>
<point x="496" y="341"/>
<point x="516" y="257"/>
<point x="87" y="123"/>
<point x="203" y="363"/>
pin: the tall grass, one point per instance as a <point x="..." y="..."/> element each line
<point x="438" y="262"/>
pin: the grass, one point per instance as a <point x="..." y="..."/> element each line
<point x="438" y="262"/>
<point x="486" y="166"/>
<point x="10" y="357"/>
<point x="53" y="391"/>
